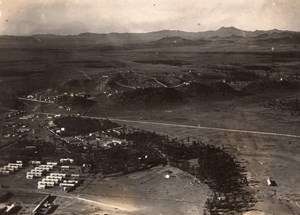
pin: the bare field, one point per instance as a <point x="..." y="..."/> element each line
<point x="150" y="192"/>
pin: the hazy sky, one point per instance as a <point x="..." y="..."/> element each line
<point x="101" y="16"/>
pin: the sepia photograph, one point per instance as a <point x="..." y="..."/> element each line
<point x="149" y="107"/>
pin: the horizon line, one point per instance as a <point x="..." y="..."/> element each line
<point x="114" y="32"/>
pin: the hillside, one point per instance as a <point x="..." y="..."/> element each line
<point x="213" y="90"/>
<point x="150" y="97"/>
<point x="77" y="85"/>
<point x="175" y="41"/>
<point x="270" y="86"/>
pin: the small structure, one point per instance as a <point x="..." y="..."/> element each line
<point x="58" y="174"/>
<point x="66" y="160"/>
<point x="30" y="147"/>
<point x="66" y="185"/>
<point x="22" y="130"/>
<point x="6" y="208"/>
<point x="35" y="162"/>
<point x="65" y="167"/>
<point x="30" y="116"/>
<point x="271" y="182"/>
<point x="41" y="186"/>
<point x="29" y="176"/>
<point x="4" y="172"/>
<point x="75" y="175"/>
<point x="52" y="163"/>
<point x="19" y="165"/>
<point x="59" y="178"/>
<point x="9" y="208"/>
<point x="43" y="207"/>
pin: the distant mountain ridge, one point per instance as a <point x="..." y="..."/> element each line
<point x="134" y="38"/>
<point x="221" y="32"/>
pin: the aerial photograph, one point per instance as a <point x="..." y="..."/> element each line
<point x="149" y="107"/>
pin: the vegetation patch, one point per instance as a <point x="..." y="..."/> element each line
<point x="76" y="125"/>
<point x="80" y="104"/>
<point x="265" y="86"/>
<point x="27" y="149"/>
<point x="165" y="62"/>
<point x="150" y="97"/>
<point x="216" y="89"/>
<point x="118" y="159"/>
<point x="291" y="105"/>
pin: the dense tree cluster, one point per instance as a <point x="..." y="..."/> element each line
<point x="119" y="158"/>
<point x="76" y="125"/>
<point x="291" y="105"/>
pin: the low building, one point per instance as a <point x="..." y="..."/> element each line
<point x="42" y="207"/>
<point x="23" y="130"/>
<point x="66" y="185"/>
<point x="29" y="176"/>
<point x="41" y="187"/>
<point x="35" y="162"/>
<point x="271" y="182"/>
<point x="52" y="163"/>
<point x="4" y="172"/>
<point x="30" y="147"/>
<point x="63" y="175"/>
<point x="75" y="175"/>
<point x="65" y="167"/>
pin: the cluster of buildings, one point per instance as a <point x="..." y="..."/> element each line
<point x="21" y="128"/>
<point x="80" y="94"/>
<point x="100" y="139"/>
<point x="46" y="99"/>
<point x="11" y="168"/>
<point x="66" y="181"/>
<point x="96" y="139"/>
<point x="56" y="130"/>
<point x="16" y="128"/>
<point x="53" y="99"/>
<point x="15" y="113"/>
<point x="40" y="170"/>
<point x="27" y="117"/>
<point x="8" y="135"/>
<point x="51" y="179"/>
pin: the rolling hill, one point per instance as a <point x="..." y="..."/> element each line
<point x="150" y="98"/>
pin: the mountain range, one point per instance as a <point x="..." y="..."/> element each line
<point x="135" y="38"/>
